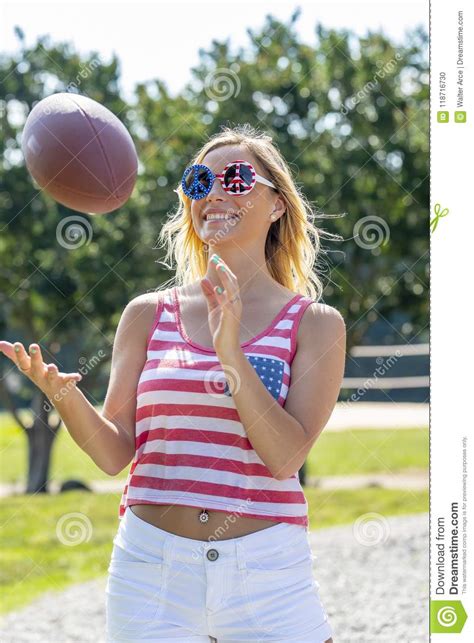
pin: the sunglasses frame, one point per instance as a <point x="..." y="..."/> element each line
<point x="191" y="194"/>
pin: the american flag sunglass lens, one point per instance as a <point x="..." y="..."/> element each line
<point x="244" y="182"/>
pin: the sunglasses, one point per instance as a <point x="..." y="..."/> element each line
<point x="238" y="178"/>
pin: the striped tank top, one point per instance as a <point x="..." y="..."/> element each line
<point x="191" y="448"/>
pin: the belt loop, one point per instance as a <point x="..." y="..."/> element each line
<point x="240" y="555"/>
<point x="168" y="547"/>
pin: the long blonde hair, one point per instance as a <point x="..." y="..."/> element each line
<point x="293" y="241"/>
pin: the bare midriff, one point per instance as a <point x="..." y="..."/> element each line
<point x="184" y="521"/>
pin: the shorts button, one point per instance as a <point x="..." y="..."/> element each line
<point x="212" y="554"/>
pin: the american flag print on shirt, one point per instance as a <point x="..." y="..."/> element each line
<point x="190" y="446"/>
<point x="270" y="372"/>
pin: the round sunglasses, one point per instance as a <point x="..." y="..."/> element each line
<point x="237" y="178"/>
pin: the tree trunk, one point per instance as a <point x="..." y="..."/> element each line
<point x="40" y="441"/>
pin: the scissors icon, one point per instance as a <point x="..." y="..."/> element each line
<point x="438" y="214"/>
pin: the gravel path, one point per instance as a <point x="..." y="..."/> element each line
<point x="375" y="587"/>
<point x="373" y="583"/>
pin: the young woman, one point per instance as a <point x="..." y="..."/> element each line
<point x="219" y="388"/>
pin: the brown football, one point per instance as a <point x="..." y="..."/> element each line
<point x="80" y="153"/>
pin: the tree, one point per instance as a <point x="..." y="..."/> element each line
<point x="65" y="277"/>
<point x="350" y="115"/>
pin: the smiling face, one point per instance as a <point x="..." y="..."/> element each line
<point x="221" y="216"/>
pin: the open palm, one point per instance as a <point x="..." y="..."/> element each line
<point x="46" y="376"/>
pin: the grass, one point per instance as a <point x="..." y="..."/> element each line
<point x="334" y="453"/>
<point x="340" y="507"/>
<point x="369" y="451"/>
<point x="37" y="558"/>
<point x="68" y="460"/>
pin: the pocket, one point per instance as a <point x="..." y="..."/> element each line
<point x="277" y="586"/>
<point x="134" y="595"/>
<point x="270" y="370"/>
<point x="282" y="561"/>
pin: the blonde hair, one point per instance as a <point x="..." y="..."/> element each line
<point x="293" y="241"/>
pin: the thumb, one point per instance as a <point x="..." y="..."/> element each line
<point x="7" y="349"/>
<point x="208" y="291"/>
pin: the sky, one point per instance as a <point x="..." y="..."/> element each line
<point x="161" y="39"/>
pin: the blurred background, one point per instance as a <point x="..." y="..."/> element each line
<point x="343" y="88"/>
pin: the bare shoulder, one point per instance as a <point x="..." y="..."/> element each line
<point x="147" y="300"/>
<point x="139" y="314"/>
<point x="321" y="325"/>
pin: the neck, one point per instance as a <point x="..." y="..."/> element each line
<point x="250" y="269"/>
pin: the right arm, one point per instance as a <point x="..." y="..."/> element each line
<point x="128" y="359"/>
<point x="107" y="437"/>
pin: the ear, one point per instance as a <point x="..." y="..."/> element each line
<point x="279" y="207"/>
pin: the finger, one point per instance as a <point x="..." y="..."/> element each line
<point x="208" y="291"/>
<point x="227" y="279"/>
<point x="37" y="367"/>
<point x="52" y="373"/>
<point x="22" y="360"/>
<point x="206" y="286"/>
<point x="218" y="262"/>
<point x="7" y="349"/>
<point x="220" y="296"/>
<point x="70" y="376"/>
<point x="231" y="287"/>
<point x="215" y="261"/>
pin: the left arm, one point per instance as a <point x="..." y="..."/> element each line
<point x="282" y="437"/>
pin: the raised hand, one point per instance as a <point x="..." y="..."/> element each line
<point x="224" y="306"/>
<point x="46" y="376"/>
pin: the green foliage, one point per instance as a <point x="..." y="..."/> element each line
<point x="69" y="299"/>
<point x="371" y="160"/>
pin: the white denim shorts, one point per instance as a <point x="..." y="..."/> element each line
<point x="258" y="587"/>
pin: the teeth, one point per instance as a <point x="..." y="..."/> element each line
<point x="211" y="217"/>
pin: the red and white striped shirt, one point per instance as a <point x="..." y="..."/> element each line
<point x="191" y="447"/>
